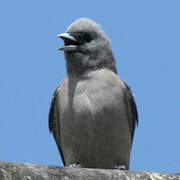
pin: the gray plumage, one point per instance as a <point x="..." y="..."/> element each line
<point x="93" y="113"/>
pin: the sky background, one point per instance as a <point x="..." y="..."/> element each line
<point x="145" y="38"/>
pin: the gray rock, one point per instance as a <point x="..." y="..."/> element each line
<point x="25" y="171"/>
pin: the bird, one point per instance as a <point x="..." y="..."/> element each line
<point x="93" y="114"/>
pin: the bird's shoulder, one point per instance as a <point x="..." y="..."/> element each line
<point x="133" y="120"/>
<point x="53" y="112"/>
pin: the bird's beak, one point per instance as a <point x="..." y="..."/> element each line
<point x="69" y="41"/>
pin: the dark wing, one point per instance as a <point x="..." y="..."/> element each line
<point x="133" y="120"/>
<point x="54" y="120"/>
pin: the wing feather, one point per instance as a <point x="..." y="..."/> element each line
<point x="133" y="119"/>
<point x="54" y="121"/>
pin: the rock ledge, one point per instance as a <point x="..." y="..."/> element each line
<point x="25" y="171"/>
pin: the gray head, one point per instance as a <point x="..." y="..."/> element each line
<point x="86" y="47"/>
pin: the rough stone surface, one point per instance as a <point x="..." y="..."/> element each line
<point x="25" y="171"/>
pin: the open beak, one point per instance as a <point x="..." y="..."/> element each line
<point x="70" y="43"/>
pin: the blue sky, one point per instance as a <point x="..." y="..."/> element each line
<point x="145" y="39"/>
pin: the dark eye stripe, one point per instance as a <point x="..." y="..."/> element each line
<point x="87" y="37"/>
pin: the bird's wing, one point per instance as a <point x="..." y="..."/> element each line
<point x="132" y="109"/>
<point x="54" y="120"/>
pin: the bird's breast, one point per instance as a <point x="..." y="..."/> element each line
<point x="97" y="101"/>
<point x="93" y="113"/>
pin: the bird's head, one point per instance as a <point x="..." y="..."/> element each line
<point x="86" y="47"/>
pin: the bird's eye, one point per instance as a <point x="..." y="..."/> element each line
<point x="87" y="37"/>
